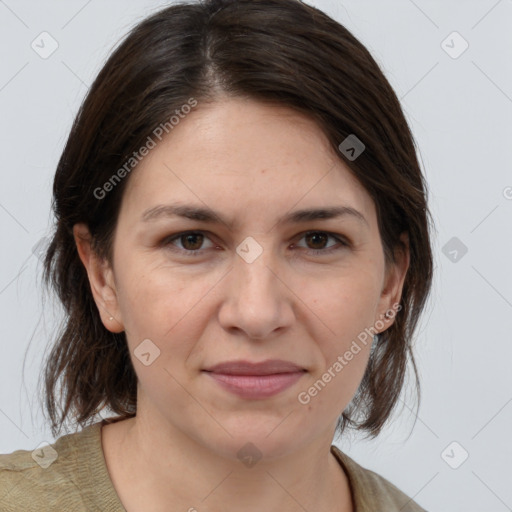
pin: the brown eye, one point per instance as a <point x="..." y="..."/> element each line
<point x="317" y="240"/>
<point x="191" y="242"/>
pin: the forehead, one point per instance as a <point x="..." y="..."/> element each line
<point x="248" y="154"/>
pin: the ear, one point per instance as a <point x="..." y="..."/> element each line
<point x="393" y="284"/>
<point x="101" y="279"/>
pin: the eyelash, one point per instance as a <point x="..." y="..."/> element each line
<point x="167" y="242"/>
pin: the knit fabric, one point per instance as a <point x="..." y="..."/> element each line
<point x="77" y="479"/>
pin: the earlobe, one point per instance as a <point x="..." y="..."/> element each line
<point x="395" y="277"/>
<point x="101" y="280"/>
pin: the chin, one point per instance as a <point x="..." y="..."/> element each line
<point x="271" y="439"/>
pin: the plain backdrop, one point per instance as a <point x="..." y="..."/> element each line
<point x="458" y="101"/>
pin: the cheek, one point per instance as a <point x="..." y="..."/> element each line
<point x="330" y="389"/>
<point x="345" y="310"/>
<point x="344" y="340"/>
<point x="165" y="307"/>
<point x="346" y="306"/>
<point x="155" y="294"/>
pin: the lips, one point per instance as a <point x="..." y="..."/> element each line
<point x="252" y="380"/>
<point x="268" y="367"/>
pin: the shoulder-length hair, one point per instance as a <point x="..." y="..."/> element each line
<point x="279" y="51"/>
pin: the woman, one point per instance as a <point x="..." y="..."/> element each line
<point x="242" y="248"/>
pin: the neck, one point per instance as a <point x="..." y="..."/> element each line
<point x="192" y="477"/>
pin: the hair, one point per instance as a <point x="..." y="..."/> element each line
<point x="282" y="52"/>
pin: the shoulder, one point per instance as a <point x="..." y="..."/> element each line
<point x="372" y="491"/>
<point x="50" y="477"/>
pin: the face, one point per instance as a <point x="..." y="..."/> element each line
<point x="256" y="285"/>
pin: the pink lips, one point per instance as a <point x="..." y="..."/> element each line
<point x="256" y="380"/>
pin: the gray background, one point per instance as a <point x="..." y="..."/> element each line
<point x="460" y="111"/>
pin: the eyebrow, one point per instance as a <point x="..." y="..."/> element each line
<point x="205" y="214"/>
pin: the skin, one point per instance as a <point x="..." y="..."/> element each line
<point x="252" y="162"/>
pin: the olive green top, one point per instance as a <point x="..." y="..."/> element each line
<point x="71" y="475"/>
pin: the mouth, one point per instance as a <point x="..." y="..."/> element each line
<point x="256" y="380"/>
<point x="268" y="367"/>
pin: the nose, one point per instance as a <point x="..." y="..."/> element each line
<point x="257" y="300"/>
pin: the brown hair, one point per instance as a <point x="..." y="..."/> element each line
<point x="278" y="51"/>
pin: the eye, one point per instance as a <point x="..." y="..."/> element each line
<point x="319" y="238"/>
<point x="191" y="242"/>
